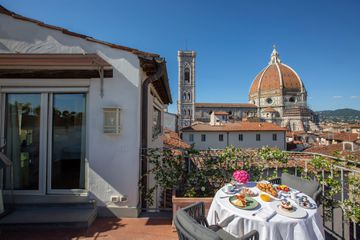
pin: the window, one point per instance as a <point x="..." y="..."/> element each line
<point x="258" y="137"/>
<point x="269" y="100"/>
<point x="187" y="75"/>
<point x="189" y="98"/>
<point x="292" y="99"/>
<point x="156" y="122"/>
<point x="241" y="137"/>
<point x="221" y="137"/>
<point x="203" y="137"/>
<point x="191" y="137"/>
<point x="274" y="137"/>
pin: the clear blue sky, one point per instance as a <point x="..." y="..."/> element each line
<point x="233" y="40"/>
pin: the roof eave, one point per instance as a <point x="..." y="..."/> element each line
<point x="137" y="52"/>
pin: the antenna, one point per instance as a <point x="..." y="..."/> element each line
<point x="186" y="44"/>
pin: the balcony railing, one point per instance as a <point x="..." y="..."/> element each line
<point x="335" y="224"/>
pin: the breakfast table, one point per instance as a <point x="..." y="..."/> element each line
<point x="272" y="222"/>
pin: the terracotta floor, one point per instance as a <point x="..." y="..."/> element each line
<point x="102" y="229"/>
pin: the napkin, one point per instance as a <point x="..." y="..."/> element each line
<point x="265" y="214"/>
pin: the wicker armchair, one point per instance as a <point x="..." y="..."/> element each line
<point x="191" y="224"/>
<point x="309" y="187"/>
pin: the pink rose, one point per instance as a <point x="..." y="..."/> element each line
<point x="241" y="176"/>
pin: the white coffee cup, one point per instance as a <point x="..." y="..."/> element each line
<point x="293" y="195"/>
<point x="229" y="187"/>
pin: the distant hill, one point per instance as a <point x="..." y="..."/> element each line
<point x="345" y="114"/>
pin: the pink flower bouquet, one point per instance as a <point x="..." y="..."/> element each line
<point x="241" y="176"/>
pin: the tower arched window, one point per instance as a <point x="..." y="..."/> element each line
<point x="184" y="96"/>
<point x="187" y="75"/>
<point x="189" y="113"/>
<point x="189" y="96"/>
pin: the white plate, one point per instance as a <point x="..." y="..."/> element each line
<point x="283" y="192"/>
<point x="234" y="191"/>
<point x="297" y="213"/>
<point x="311" y="206"/>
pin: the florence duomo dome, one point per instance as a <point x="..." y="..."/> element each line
<point x="281" y="97"/>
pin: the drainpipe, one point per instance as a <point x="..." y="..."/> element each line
<point x="227" y="139"/>
<point x="144" y="122"/>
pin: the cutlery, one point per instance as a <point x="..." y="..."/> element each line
<point x="257" y="211"/>
<point x="226" y="196"/>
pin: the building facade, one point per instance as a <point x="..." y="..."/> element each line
<point x="74" y="114"/>
<point x="242" y="134"/>
<point x="236" y="111"/>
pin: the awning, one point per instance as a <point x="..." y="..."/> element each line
<point x="15" y="65"/>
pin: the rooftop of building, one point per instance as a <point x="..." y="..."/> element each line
<point x="226" y="105"/>
<point x="342" y="136"/>
<point x="5" y="11"/>
<point x="221" y="113"/>
<point x="234" y="127"/>
<point x="173" y="140"/>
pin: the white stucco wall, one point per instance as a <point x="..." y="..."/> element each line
<point x="113" y="161"/>
<point x="232" y="139"/>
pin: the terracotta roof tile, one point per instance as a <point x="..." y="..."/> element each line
<point x="173" y="140"/>
<point x="343" y="136"/>
<point x="235" y="127"/>
<point x="269" y="79"/>
<point x="221" y="113"/>
<point x="269" y="109"/>
<point x="331" y="149"/>
<point x="226" y="105"/>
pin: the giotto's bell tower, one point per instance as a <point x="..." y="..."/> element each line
<point x="186" y="88"/>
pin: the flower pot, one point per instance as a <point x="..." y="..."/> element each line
<point x="180" y="202"/>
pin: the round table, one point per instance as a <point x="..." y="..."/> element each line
<point x="239" y="222"/>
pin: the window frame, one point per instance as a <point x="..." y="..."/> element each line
<point x="191" y="137"/>
<point x="203" y="137"/>
<point x="156" y="128"/>
<point x="258" y="137"/>
<point x="241" y="137"/>
<point x="187" y="75"/>
<point x="221" y="137"/>
<point x="274" y="137"/>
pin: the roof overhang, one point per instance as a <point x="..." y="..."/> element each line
<point x="15" y="65"/>
<point x="150" y="66"/>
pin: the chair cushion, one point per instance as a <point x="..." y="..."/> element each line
<point x="222" y="233"/>
<point x="195" y="229"/>
<point x="309" y="187"/>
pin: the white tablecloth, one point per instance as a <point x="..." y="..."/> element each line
<point x="237" y="221"/>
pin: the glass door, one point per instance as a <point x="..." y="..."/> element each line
<point x="45" y="137"/>
<point x="67" y="128"/>
<point x="23" y="133"/>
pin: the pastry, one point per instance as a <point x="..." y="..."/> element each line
<point x="268" y="188"/>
